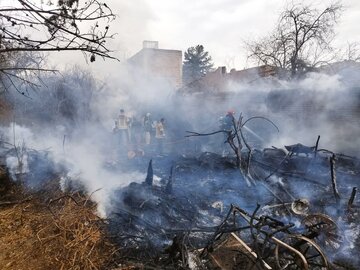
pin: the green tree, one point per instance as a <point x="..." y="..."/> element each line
<point x="197" y="62"/>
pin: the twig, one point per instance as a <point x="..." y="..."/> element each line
<point x="89" y="197"/>
<point x="352" y="197"/>
<point x="193" y="134"/>
<point x="316" y="146"/>
<point x="15" y="202"/>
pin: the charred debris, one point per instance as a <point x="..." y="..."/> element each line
<point x="274" y="208"/>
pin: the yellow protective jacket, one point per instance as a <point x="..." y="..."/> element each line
<point x="160" y="131"/>
<point x="122" y="122"/>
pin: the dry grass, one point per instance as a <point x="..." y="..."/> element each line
<point x="63" y="234"/>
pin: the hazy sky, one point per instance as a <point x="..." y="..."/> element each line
<point x="220" y="25"/>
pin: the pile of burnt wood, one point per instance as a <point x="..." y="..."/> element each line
<point x="292" y="208"/>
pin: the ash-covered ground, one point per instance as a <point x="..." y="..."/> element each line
<point x="162" y="215"/>
<point x="192" y="195"/>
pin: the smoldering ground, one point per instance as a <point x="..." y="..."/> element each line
<point x="71" y="120"/>
<point x="73" y="117"/>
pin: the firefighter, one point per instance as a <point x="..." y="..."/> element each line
<point x="148" y="126"/>
<point x="135" y="138"/>
<point x="227" y="124"/>
<point x="136" y="131"/>
<point x="122" y="125"/>
<point x="160" y="135"/>
<point x="228" y="121"/>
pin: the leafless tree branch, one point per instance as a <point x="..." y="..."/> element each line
<point x="302" y="36"/>
<point x="29" y="27"/>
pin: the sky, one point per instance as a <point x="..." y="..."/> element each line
<point x="221" y="26"/>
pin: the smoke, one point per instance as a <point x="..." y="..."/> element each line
<point x="319" y="104"/>
<point x="73" y="116"/>
<point x="67" y="131"/>
<point x="67" y="121"/>
<point x="83" y="159"/>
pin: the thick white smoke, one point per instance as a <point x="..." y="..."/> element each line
<point x="319" y="104"/>
<point x="83" y="157"/>
<point x="73" y="118"/>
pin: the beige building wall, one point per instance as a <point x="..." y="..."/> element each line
<point x="160" y="63"/>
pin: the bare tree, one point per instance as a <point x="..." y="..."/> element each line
<point x="51" y="25"/>
<point x="352" y="52"/>
<point x="21" y="71"/>
<point x="301" y="39"/>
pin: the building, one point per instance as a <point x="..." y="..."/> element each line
<point x="347" y="70"/>
<point x="219" y="81"/>
<point x="159" y="63"/>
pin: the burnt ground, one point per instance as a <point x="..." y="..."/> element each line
<point x="182" y="209"/>
<point x="192" y="195"/>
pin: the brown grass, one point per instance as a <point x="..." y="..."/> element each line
<point x="63" y="234"/>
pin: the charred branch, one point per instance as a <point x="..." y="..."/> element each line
<point x="316" y="146"/>
<point x="352" y="197"/>
<point x="150" y="174"/>
<point x="333" y="178"/>
<point x="169" y="185"/>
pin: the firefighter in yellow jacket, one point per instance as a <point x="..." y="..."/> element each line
<point x="122" y="126"/>
<point x="160" y="135"/>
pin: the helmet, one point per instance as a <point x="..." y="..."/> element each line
<point x="231" y="111"/>
<point x="148" y="114"/>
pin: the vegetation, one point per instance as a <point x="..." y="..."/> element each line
<point x="196" y="64"/>
<point x="29" y="26"/>
<point x="301" y="39"/>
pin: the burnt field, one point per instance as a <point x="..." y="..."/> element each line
<point x="198" y="203"/>
<point x="267" y="194"/>
<point x="199" y="211"/>
<point x="215" y="136"/>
